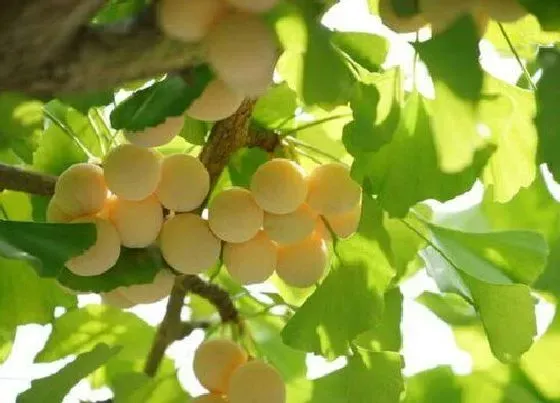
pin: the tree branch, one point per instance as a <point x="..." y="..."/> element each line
<point x="14" y="178"/>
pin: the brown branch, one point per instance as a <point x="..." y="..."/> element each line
<point x="14" y="178"/>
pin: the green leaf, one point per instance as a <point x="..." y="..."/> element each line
<point x="405" y="246"/>
<point x="55" y="387"/>
<point x="194" y="131"/>
<point x="79" y="330"/>
<point x="350" y="299"/>
<point x="405" y="171"/>
<point x="508" y="112"/>
<point x="117" y="10"/>
<point x="82" y="102"/>
<point x="6" y="342"/>
<point x="45" y="246"/>
<point x="368" y="50"/>
<point x="451" y="308"/>
<point x="276" y="108"/>
<point x="169" y="97"/>
<point x="369" y="377"/>
<point x="243" y="164"/>
<point x="438" y="385"/>
<point x="547" y="12"/>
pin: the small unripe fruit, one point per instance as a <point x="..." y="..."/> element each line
<point x="345" y="224"/>
<point x="184" y="183"/>
<point x="152" y="292"/>
<point x="188" y="245"/>
<point x="234" y="216"/>
<point x="241" y="49"/>
<point x="55" y="213"/>
<point x="302" y="264"/>
<point x="399" y="24"/>
<point x="132" y="172"/>
<point x="138" y="222"/>
<point x="251" y="262"/>
<point x="253" y="6"/>
<point x="189" y="20"/>
<point x="332" y="190"/>
<point x="256" y="381"/>
<point x="215" y="361"/>
<point x="210" y="398"/>
<point x="291" y="227"/>
<point x="158" y="135"/>
<point x="102" y="255"/>
<point x="279" y="186"/>
<point x="116" y="298"/>
<point x="81" y="190"/>
<point x="503" y="10"/>
<point x="217" y="102"/>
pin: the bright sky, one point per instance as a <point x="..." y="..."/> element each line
<point x="428" y="342"/>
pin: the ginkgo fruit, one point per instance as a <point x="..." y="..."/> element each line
<point x="256" y="381"/>
<point x="503" y="10"/>
<point x="102" y="255"/>
<point x="321" y="230"/>
<point x="442" y="14"/>
<point x="189" y="20"/>
<point x="209" y="398"/>
<point x="291" y="227"/>
<point x="302" y="264"/>
<point x="279" y="186"/>
<point x="138" y="222"/>
<point x="132" y="172"/>
<point x="332" y="190"/>
<point x="397" y="23"/>
<point x="241" y="49"/>
<point x="81" y="190"/>
<point x="55" y="214"/>
<point x="234" y="216"/>
<point x="215" y="361"/>
<point x="345" y="224"/>
<point x="218" y="101"/>
<point x="184" y="183"/>
<point x="188" y="245"/>
<point x="253" y="6"/>
<point x="158" y="289"/>
<point x="251" y="262"/>
<point x="116" y="298"/>
<point x="158" y="135"/>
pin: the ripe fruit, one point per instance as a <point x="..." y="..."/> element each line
<point x="242" y="51"/>
<point x="442" y="14"/>
<point x="81" y="190"/>
<point x="188" y="20"/>
<point x="503" y="10"/>
<point x="158" y="135"/>
<point x="302" y="264"/>
<point x="256" y="381"/>
<point x="215" y="361"/>
<point x="253" y="6"/>
<point x="279" y="186"/>
<point x="102" y="255"/>
<point x="210" y="398"/>
<point x="291" y="227"/>
<point x="132" y="172"/>
<point x="138" y="222"/>
<point x="152" y="292"/>
<point x="188" y="245"/>
<point x="345" y="224"/>
<point x="184" y="184"/>
<point x="116" y="298"/>
<point x="55" y="214"/>
<point x="332" y="190"/>
<point x="217" y="102"/>
<point x="251" y="262"/>
<point x="397" y="23"/>
<point x="321" y="230"/>
<point x="234" y="216"/>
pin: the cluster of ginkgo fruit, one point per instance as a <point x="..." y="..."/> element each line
<point x="223" y="368"/>
<point x="440" y="15"/>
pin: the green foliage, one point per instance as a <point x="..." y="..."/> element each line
<point x="368" y="50"/>
<point x="6" y="342"/>
<point x="547" y="11"/>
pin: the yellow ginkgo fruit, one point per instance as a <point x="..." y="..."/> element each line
<point x="252" y="261"/>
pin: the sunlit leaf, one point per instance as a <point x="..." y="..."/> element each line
<point x="367" y="50"/>
<point x="547" y="12"/>
<point x="450" y="308"/>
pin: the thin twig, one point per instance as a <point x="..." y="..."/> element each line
<point x="14" y="178"/>
<point x="310" y="147"/>
<point x="517" y="57"/>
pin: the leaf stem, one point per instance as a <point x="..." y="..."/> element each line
<point x="517" y="57"/>
<point x="315" y="123"/>
<point x="70" y="134"/>
<point x="310" y="147"/>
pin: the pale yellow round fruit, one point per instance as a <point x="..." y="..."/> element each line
<point x="345" y="224"/>
<point x="399" y="24"/>
<point x="55" y="213"/>
<point x="116" y="298"/>
<point x="138" y="222"/>
<point x="102" y="255"/>
<point x="188" y="245"/>
<point x="251" y="262"/>
<point x="302" y="264"/>
<point x="158" y="135"/>
<point x="256" y="381"/>
<point x="215" y="361"/>
<point x="241" y="49"/>
<point x="279" y="186"/>
<point x="503" y="10"/>
<point x="209" y="398"/>
<point x="184" y="183"/>
<point x="253" y="6"/>
<point x="132" y="172"/>
<point x="234" y="216"/>
<point x="332" y="190"/>
<point x="217" y="102"/>
<point x="321" y="231"/>
<point x="291" y="227"/>
<point x="152" y="292"/>
<point x="441" y="14"/>
<point x="81" y="190"/>
<point x="189" y="20"/>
